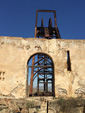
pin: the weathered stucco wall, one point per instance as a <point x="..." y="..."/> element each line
<point x="15" y="53"/>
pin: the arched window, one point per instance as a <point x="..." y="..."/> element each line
<point x="40" y="75"/>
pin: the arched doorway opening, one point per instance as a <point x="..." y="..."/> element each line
<point x="40" y="70"/>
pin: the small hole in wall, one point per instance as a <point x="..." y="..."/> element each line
<point x="68" y="61"/>
<point x="3" y="73"/>
<point x="2" y="76"/>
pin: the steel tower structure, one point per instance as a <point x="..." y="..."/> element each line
<point x="43" y="67"/>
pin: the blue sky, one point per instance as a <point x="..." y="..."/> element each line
<point x="17" y="17"/>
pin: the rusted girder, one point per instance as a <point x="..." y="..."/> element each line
<point x="31" y="81"/>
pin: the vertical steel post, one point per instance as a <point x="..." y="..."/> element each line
<point x="32" y="74"/>
<point x="47" y="106"/>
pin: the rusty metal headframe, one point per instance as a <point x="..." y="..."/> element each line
<point x="43" y="63"/>
<point x="47" y="32"/>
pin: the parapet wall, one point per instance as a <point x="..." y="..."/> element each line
<point x="16" y="51"/>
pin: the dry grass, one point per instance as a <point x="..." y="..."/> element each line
<point x="68" y="104"/>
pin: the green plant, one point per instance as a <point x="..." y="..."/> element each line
<point x="0" y="109"/>
<point x="30" y="105"/>
<point x="37" y="109"/>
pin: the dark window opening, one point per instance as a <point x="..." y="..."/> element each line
<point x="68" y="61"/>
<point x="40" y="76"/>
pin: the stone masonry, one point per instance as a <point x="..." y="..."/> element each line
<point x="16" y="51"/>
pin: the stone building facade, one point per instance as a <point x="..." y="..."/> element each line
<point x="16" y="51"/>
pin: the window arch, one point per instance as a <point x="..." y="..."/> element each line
<point x="40" y="75"/>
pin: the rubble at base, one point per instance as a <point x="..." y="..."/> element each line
<point x="39" y="105"/>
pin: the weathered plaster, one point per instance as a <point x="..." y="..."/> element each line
<point x="16" y="51"/>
